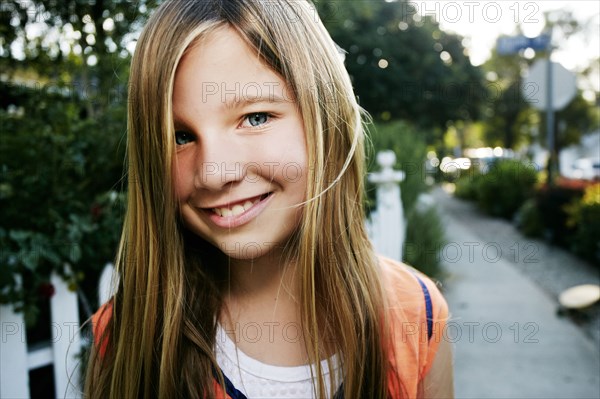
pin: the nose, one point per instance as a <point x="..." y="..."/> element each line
<point x="219" y="163"/>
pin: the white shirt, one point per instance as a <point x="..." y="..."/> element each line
<point x="259" y="380"/>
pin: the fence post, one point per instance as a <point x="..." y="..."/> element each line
<point x="14" y="372"/>
<point x="106" y="285"/>
<point x="66" y="341"/>
<point x="387" y="223"/>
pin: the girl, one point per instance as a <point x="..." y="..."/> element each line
<point x="244" y="267"/>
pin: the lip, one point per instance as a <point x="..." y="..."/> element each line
<point x="229" y="222"/>
<point x="240" y="201"/>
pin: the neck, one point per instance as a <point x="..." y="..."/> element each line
<point x="271" y="278"/>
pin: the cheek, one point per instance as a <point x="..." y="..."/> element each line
<point x="183" y="178"/>
<point x="294" y="173"/>
<point x="293" y="156"/>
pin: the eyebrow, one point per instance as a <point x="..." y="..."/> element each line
<point x="242" y="101"/>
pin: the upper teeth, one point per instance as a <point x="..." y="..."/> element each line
<point x="237" y="209"/>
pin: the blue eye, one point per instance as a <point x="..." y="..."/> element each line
<point x="182" y="137"/>
<point x="257" y="118"/>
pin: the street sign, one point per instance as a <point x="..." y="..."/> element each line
<point x="510" y="45"/>
<point x="534" y="87"/>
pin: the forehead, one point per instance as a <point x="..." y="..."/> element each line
<point x="221" y="66"/>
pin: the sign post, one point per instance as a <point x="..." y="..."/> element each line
<point x="550" y="121"/>
<point x="555" y="86"/>
<point x="511" y="45"/>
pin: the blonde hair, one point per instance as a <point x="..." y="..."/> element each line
<point x="160" y="337"/>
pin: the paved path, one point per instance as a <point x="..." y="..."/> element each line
<point x="509" y="341"/>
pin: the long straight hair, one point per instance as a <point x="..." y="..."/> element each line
<point x="160" y="338"/>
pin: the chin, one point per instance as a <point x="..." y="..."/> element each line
<point x="246" y="251"/>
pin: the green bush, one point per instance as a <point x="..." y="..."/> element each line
<point x="466" y="184"/>
<point x="410" y="148"/>
<point x="504" y="188"/>
<point x="584" y="216"/>
<point x="424" y="231"/>
<point x="554" y="200"/>
<point x="425" y="238"/>
<point x="59" y="210"/>
<point x="529" y="219"/>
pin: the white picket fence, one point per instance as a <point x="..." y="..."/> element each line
<point x="63" y="350"/>
<point x="386" y="229"/>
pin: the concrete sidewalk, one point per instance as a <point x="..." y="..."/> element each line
<point x="509" y="341"/>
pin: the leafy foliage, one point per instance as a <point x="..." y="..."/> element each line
<point x="505" y="187"/>
<point x="509" y="120"/>
<point x="425" y="238"/>
<point x="63" y="118"/>
<point x="424" y="231"/>
<point x="57" y="198"/>
<point x="584" y="215"/>
<point x="396" y="64"/>
<point x="408" y="143"/>
<point x="466" y="184"/>
<point x="502" y="189"/>
<point x="530" y="219"/>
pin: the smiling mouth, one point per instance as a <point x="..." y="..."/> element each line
<point x="237" y="209"/>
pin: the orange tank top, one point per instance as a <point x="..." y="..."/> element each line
<point x="417" y="314"/>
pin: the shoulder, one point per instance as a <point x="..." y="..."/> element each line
<point x="416" y="315"/>
<point x="408" y="288"/>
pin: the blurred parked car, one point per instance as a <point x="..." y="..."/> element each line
<point x="586" y="169"/>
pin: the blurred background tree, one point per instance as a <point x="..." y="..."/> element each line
<point x="63" y="117"/>
<point x="509" y="120"/>
<point x="403" y="65"/>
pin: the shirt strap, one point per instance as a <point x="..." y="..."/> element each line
<point x="428" y="307"/>
<point x="230" y="389"/>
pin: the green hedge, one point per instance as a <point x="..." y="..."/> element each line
<point x="425" y="238"/>
<point x="467" y="183"/>
<point x="425" y="235"/>
<point x="584" y="216"/>
<point x="501" y="189"/>
<point x="529" y="219"/>
<point x="60" y="206"/>
<point x="409" y="145"/>
<point x="504" y="188"/>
